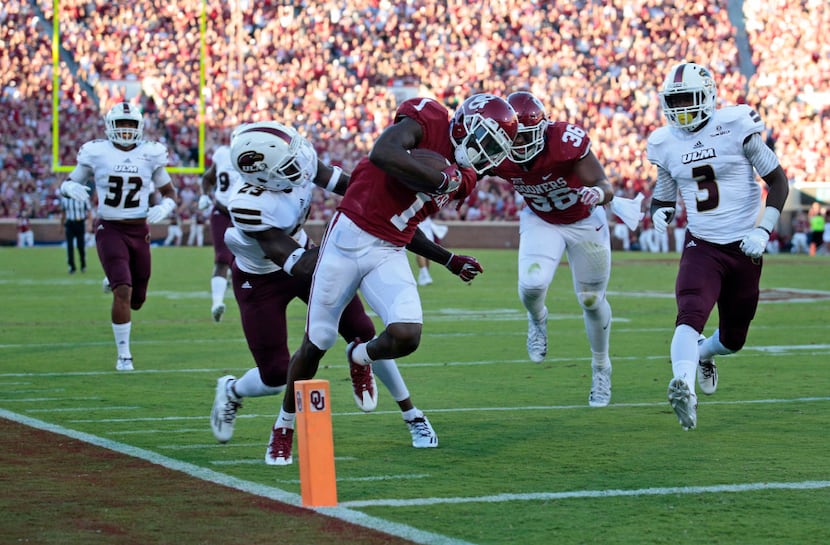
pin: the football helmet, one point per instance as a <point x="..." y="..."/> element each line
<point x="533" y="121"/>
<point x="273" y="156"/>
<point x="482" y="132"/>
<point x="688" y="96"/>
<point x="121" y="135"/>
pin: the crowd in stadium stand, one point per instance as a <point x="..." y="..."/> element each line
<point x="336" y="69"/>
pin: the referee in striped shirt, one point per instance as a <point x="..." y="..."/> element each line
<point x="74" y="215"/>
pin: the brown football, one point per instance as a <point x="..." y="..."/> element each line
<point x="430" y="158"/>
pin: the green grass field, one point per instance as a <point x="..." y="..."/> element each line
<point x="522" y="458"/>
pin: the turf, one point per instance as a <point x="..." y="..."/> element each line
<point x="522" y="458"/>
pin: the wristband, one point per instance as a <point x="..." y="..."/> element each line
<point x="335" y="177"/>
<point x="769" y="219"/>
<point x="291" y="260"/>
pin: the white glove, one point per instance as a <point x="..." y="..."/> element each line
<point x="661" y="218"/>
<point x="590" y="196"/>
<point x="755" y="242"/>
<point x="161" y="211"/>
<point x="75" y="191"/>
<point x="204" y="202"/>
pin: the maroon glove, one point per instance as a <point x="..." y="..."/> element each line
<point x="464" y="266"/>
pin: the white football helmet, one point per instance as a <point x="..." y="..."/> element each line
<point x="533" y="121"/>
<point x="482" y="131"/>
<point x="688" y="96"/>
<point x="124" y="136"/>
<point x="273" y="156"/>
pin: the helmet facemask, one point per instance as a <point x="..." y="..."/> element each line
<point x="273" y="156"/>
<point x="688" y="97"/>
<point x="120" y="115"/>
<point x="486" y="145"/>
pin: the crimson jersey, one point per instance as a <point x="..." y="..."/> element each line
<point x="382" y="205"/>
<point x="548" y="183"/>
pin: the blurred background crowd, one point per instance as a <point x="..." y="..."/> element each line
<point x="337" y="69"/>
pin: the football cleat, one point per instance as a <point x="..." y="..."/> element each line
<point x="217" y="312"/>
<point x="537" y="338"/>
<point x="423" y="436"/>
<point x="707" y="373"/>
<point x="684" y="403"/>
<point x="279" y="447"/>
<point x="363" y="382"/>
<point x="105" y="285"/>
<point x="424" y="278"/>
<point x="600" y="395"/>
<point x="124" y="364"/>
<point x="225" y="406"/>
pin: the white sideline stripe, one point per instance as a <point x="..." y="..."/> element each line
<point x="375" y="478"/>
<point x="41" y="399"/>
<point x="86" y="409"/>
<point x="776" y="350"/>
<point x="453" y="410"/>
<point x="354" y="517"/>
<point x="260" y="461"/>
<point x="154" y="432"/>
<point x="545" y="496"/>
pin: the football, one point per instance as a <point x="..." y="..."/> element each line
<point x="430" y="158"/>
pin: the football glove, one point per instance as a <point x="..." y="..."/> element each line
<point x="75" y="191"/>
<point x="661" y="218"/>
<point x="204" y="202"/>
<point x="464" y="266"/>
<point x="160" y="211"/>
<point x="755" y="242"/>
<point x="590" y="196"/>
<point x="452" y="180"/>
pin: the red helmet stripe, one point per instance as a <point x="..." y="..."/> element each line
<point x="678" y="73"/>
<point x="270" y="130"/>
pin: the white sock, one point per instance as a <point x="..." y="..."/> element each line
<point x="285" y="420"/>
<point x="388" y="373"/>
<point x="713" y="347"/>
<point x="684" y="354"/>
<point x="598" y="328"/>
<point x="412" y="414"/>
<point x="251" y="385"/>
<point x="122" y="339"/>
<point x="218" y="285"/>
<point x="360" y="355"/>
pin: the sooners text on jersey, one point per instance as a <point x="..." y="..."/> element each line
<point x="548" y="183"/>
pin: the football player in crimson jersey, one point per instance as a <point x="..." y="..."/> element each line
<point x="389" y="194"/>
<point x="126" y="171"/>
<point x="710" y="156"/>
<point x="221" y="178"/>
<point x="564" y="187"/>
<point x="273" y="265"/>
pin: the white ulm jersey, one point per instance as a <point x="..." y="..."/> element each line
<point x="227" y="177"/>
<point x="710" y="169"/>
<point x="124" y="180"/>
<point x="254" y="208"/>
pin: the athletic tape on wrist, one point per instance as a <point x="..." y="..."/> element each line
<point x="335" y="177"/>
<point x="292" y="259"/>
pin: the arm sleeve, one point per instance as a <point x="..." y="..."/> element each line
<point x="760" y="155"/>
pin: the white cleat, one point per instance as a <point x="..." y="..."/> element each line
<point x="217" y="312"/>
<point x="225" y="406"/>
<point x="684" y="403"/>
<point x="600" y="395"/>
<point x="279" y="447"/>
<point x="424" y="278"/>
<point x="537" y="338"/>
<point x="105" y="285"/>
<point x="124" y="364"/>
<point x="707" y="373"/>
<point x="423" y="436"/>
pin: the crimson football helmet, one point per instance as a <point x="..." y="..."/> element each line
<point x="533" y="121"/>
<point x="122" y="135"/>
<point x="688" y="96"/>
<point x="273" y="156"/>
<point x="482" y="131"/>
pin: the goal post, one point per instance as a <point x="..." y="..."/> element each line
<point x="56" y="80"/>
